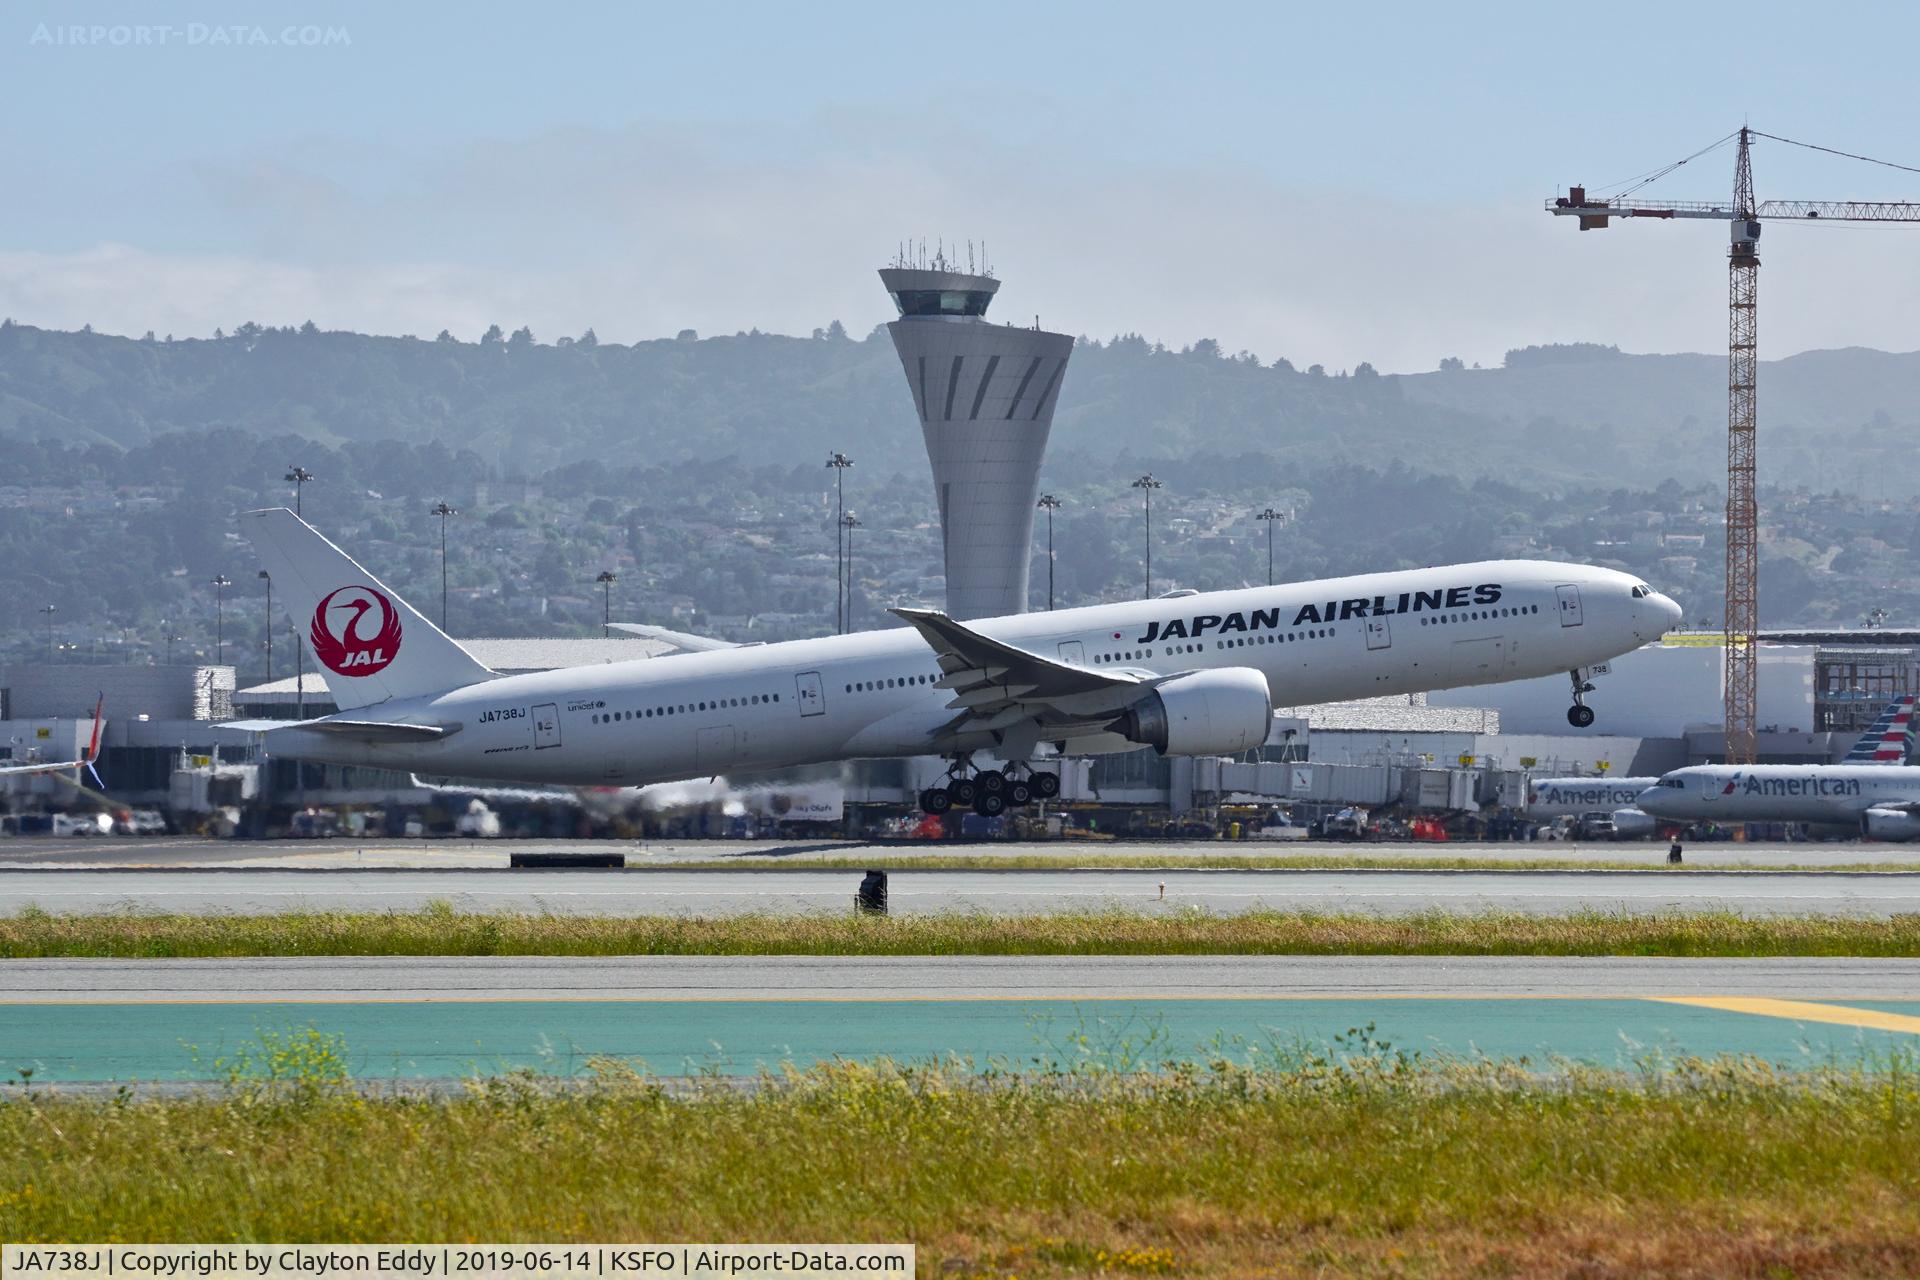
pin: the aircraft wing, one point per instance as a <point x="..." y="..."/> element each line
<point x="61" y="766"/>
<point x="678" y="639"/>
<point x="1001" y="689"/>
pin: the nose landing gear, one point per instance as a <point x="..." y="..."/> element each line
<point x="989" y="792"/>
<point x="1580" y="715"/>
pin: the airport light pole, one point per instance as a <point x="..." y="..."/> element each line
<point x="1049" y="504"/>
<point x="268" y="579"/>
<point x="839" y="462"/>
<point x="298" y="477"/>
<point x="49" y="610"/>
<point x="299" y="680"/>
<point x="220" y="584"/>
<point x="849" y="522"/>
<point x="442" y="510"/>
<point x="1147" y="484"/>
<point x="606" y="580"/>
<point x="1269" y="517"/>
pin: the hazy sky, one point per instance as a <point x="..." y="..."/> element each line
<point x="1332" y="183"/>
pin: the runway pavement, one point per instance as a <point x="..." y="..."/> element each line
<point x="344" y="853"/>
<point x="406" y="1019"/>
<point x="1001" y="892"/>
<point x="888" y="978"/>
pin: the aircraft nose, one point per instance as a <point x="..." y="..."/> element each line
<point x="1654" y="615"/>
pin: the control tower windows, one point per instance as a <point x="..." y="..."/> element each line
<point x="942" y="302"/>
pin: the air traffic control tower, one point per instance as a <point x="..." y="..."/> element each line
<point x="985" y="394"/>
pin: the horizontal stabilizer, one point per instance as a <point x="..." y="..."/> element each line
<point x="359" y="730"/>
<point x="682" y="640"/>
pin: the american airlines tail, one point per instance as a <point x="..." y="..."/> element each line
<point x="371" y="645"/>
<point x="1889" y="739"/>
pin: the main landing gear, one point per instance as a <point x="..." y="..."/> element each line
<point x="1580" y="715"/>
<point x="989" y="792"/>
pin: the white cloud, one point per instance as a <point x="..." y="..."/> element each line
<point x="641" y="232"/>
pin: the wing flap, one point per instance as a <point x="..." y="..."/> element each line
<point x="999" y="688"/>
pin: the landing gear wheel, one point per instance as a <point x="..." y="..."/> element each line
<point x="990" y="804"/>
<point x="963" y="791"/>
<point x="1580" y="715"/>
<point x="1019" y="794"/>
<point x="991" y="781"/>
<point x="935" y="800"/>
<point x="1045" y="785"/>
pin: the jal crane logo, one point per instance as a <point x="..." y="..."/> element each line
<point x="356" y="631"/>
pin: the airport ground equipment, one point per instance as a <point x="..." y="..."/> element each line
<point x="1744" y="215"/>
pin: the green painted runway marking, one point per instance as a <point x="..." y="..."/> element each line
<point x="430" y="1039"/>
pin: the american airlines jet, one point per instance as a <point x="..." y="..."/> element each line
<point x="1573" y="797"/>
<point x="1873" y="792"/>
<point x="1195" y="674"/>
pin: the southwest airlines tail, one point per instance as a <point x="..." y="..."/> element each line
<point x="371" y="645"/>
<point x="1889" y="739"/>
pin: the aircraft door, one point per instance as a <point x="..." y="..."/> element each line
<point x="1073" y="653"/>
<point x="1712" y="788"/>
<point x="1379" y="634"/>
<point x="811" y="693"/>
<point x="1569" y="605"/>
<point x="546" y="726"/>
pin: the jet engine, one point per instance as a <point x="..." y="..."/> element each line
<point x="1202" y="713"/>
<point x="1634" y="824"/>
<point x="1890" y="824"/>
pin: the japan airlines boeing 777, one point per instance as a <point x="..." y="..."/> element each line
<point x="1190" y="675"/>
<point x="1874" y="792"/>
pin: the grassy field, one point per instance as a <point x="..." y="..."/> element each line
<point x="442" y="931"/>
<point x="1365" y="1163"/>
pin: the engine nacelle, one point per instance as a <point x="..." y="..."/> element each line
<point x="1634" y="824"/>
<point x="1203" y="713"/>
<point x="1890" y="824"/>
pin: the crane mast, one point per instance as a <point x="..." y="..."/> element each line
<point x="1741" y="623"/>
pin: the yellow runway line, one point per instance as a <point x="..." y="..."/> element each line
<point x="1803" y="1011"/>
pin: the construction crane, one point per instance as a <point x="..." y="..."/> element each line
<point x="1744" y="214"/>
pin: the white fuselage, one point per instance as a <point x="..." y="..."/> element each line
<point x="1820" y="793"/>
<point x="873" y="694"/>
<point x="1573" y="797"/>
